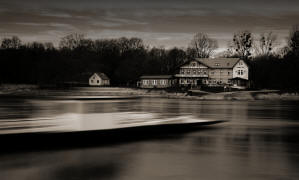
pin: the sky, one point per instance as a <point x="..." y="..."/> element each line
<point x="167" y="23"/>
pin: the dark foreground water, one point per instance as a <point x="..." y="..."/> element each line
<point x="259" y="141"/>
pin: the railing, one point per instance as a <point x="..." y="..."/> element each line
<point x="191" y="75"/>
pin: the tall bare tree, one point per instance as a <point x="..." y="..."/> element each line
<point x="203" y="45"/>
<point x="243" y="44"/>
<point x="266" y="43"/>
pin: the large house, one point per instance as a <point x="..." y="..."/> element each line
<point x="213" y="72"/>
<point x="99" y="79"/>
<point x="156" y="81"/>
<point x="229" y="72"/>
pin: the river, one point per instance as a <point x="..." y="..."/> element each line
<point x="260" y="140"/>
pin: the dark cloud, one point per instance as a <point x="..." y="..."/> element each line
<point x="158" y="22"/>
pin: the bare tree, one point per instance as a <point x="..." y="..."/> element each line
<point x="71" y="41"/>
<point x="294" y="41"/>
<point x="243" y="42"/>
<point x="49" y="46"/>
<point x="11" y="43"/>
<point x="133" y="43"/>
<point x="203" y="45"/>
<point x="266" y="44"/>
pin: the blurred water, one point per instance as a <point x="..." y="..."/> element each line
<point x="260" y="141"/>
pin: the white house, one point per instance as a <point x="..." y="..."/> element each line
<point x="99" y="79"/>
<point x="214" y="72"/>
<point x="240" y="70"/>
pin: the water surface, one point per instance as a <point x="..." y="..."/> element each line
<point x="259" y="141"/>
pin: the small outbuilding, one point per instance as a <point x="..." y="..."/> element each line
<point x="156" y="81"/>
<point x="99" y="79"/>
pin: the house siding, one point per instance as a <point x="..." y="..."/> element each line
<point x="240" y="70"/>
<point x="156" y="83"/>
<point x="96" y="80"/>
<point x="218" y="72"/>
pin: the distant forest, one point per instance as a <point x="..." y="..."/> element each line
<point x="124" y="60"/>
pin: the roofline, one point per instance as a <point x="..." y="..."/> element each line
<point x="198" y="59"/>
<point x="156" y="76"/>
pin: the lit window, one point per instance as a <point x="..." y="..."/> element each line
<point x="154" y="82"/>
<point x="188" y="71"/>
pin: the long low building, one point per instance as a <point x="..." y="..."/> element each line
<point x="156" y="81"/>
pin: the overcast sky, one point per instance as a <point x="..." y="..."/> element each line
<point x="166" y="23"/>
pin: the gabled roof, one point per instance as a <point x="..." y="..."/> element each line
<point x="219" y="63"/>
<point x="156" y="77"/>
<point x="102" y="75"/>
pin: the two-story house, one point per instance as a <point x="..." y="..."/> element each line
<point x="192" y="73"/>
<point x="213" y="72"/>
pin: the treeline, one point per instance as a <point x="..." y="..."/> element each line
<point x="124" y="60"/>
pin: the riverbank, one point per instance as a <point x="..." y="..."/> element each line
<point x="36" y="91"/>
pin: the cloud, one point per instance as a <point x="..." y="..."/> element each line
<point x="159" y="22"/>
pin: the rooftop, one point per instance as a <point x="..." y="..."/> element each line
<point x="219" y="62"/>
<point x="156" y="77"/>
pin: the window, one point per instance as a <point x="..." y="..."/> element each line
<point x="163" y="82"/>
<point x="182" y="71"/>
<point x="91" y="81"/>
<point x="205" y="72"/>
<point x="228" y="73"/>
<point x="194" y="71"/>
<point x="227" y="64"/>
<point x="194" y="64"/>
<point x="240" y="72"/>
<point x="188" y="71"/>
<point x="145" y="82"/>
<point x="217" y="64"/>
<point x="154" y="82"/>
<point x="98" y="81"/>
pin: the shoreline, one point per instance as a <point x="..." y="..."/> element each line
<point x="24" y="90"/>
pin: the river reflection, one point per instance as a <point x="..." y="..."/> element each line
<point x="259" y="141"/>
